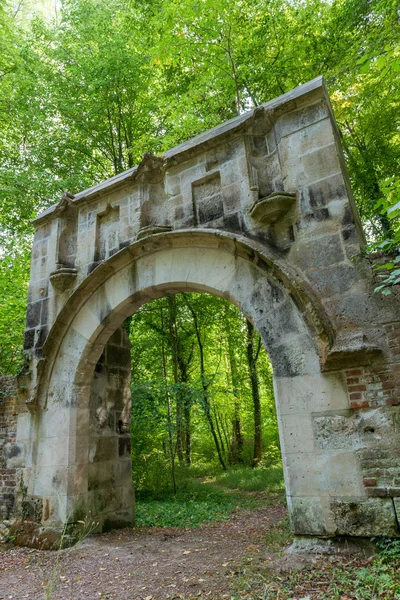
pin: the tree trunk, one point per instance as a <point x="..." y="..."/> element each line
<point x="255" y="391"/>
<point x="206" y="402"/>
<point x="237" y="437"/>
<point x="169" y="412"/>
<point x="173" y="334"/>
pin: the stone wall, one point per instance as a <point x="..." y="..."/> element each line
<point x="8" y="434"/>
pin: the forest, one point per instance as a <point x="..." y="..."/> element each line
<point x="201" y="390"/>
<point x="86" y="88"/>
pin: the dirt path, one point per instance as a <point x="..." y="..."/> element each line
<point x="139" y="564"/>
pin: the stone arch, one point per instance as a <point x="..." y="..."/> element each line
<point x="236" y="247"/>
<point x="190" y="262"/>
<point x="260" y="211"/>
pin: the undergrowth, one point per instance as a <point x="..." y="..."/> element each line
<point x="251" y="480"/>
<point x="353" y="579"/>
<point x="203" y="497"/>
<point x="340" y="577"/>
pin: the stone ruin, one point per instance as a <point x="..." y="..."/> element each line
<point x="258" y="210"/>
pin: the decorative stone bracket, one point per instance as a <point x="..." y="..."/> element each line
<point x="63" y="278"/>
<point x="351" y="349"/>
<point x="272" y="208"/>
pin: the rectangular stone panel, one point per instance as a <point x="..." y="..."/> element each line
<point x="107" y="233"/>
<point x="324" y="474"/>
<point x="311" y="394"/>
<point x="207" y="200"/>
<point x="317" y="164"/>
<point x="321" y="252"/>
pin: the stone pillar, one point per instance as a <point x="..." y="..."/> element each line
<point x="77" y="474"/>
<point x="110" y="492"/>
<point x="9" y="453"/>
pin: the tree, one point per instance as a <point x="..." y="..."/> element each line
<point x="204" y="332"/>
<point x="252" y="355"/>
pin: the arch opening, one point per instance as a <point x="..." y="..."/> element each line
<point x="201" y="402"/>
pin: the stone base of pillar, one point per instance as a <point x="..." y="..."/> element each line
<point x="42" y="537"/>
<point x="303" y="544"/>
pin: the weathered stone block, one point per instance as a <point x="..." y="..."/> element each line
<point x="317" y="164"/>
<point x="365" y="517"/>
<point x="333" y="280"/>
<point x="321" y="252"/>
<point x="297" y="120"/>
<point x="308" y="516"/>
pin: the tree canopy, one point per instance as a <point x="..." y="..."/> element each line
<point x="86" y="90"/>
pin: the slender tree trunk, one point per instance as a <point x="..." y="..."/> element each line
<point x="237" y="437"/>
<point x="225" y="433"/>
<point x="218" y="428"/>
<point x="255" y="391"/>
<point x="188" y="436"/>
<point x="206" y="402"/>
<point x="169" y="412"/>
<point x="186" y="407"/>
<point x="173" y="333"/>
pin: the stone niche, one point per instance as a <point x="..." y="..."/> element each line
<point x="107" y="233"/>
<point x="272" y="204"/>
<point x="153" y="209"/>
<point x="65" y="274"/>
<point x="207" y="200"/>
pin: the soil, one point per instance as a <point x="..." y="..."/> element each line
<point x="145" y="564"/>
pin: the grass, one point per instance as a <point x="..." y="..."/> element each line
<point x="214" y="498"/>
<point x="198" y="503"/>
<point x="252" y="480"/>
<point x="339" y="577"/>
<point x="279" y="535"/>
<point x="354" y="578"/>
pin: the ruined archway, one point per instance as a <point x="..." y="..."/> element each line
<point x="258" y="211"/>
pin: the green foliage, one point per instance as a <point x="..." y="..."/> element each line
<point x="167" y="379"/>
<point x="376" y="579"/>
<point x="199" y="502"/>
<point x="389" y="244"/>
<point x="257" y="479"/>
<point x="84" y="95"/>
<point x="13" y="294"/>
<point x="328" y="577"/>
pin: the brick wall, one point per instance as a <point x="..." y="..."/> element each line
<point x="378" y="386"/>
<point x="8" y="432"/>
<point x="370" y="387"/>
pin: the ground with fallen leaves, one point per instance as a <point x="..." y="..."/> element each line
<point x="242" y="558"/>
<point x="144" y="564"/>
